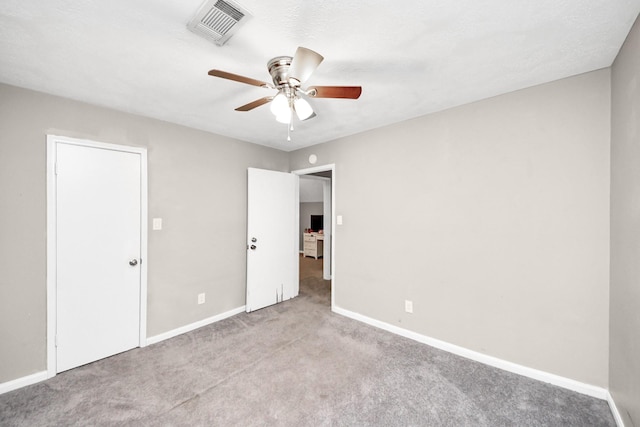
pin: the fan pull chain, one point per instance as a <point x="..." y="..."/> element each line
<point x="290" y="129"/>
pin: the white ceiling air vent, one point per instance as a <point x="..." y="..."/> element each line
<point x="218" y="20"/>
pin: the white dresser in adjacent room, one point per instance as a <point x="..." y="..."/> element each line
<point x="313" y="244"/>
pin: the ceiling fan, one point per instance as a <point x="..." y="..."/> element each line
<point x="288" y="74"/>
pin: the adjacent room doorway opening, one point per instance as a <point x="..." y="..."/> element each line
<point x="326" y="176"/>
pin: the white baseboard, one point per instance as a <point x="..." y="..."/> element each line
<point x="41" y="376"/>
<point x="195" y="325"/>
<point x="23" y="382"/>
<point x="614" y="410"/>
<point x="583" y="388"/>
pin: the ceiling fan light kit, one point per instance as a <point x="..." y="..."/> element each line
<point x="288" y="74"/>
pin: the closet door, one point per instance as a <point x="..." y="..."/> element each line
<point x="98" y="232"/>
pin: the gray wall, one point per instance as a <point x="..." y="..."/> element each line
<point x="197" y="184"/>
<point x="493" y="218"/>
<point x="624" y="366"/>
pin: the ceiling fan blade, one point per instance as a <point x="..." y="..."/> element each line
<point x="254" y="104"/>
<point x="239" y="78"/>
<point x="303" y="64"/>
<point x="349" y="92"/>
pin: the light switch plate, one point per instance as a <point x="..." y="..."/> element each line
<point x="339" y="219"/>
<point x="157" y="223"/>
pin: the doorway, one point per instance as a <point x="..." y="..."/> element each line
<point x="325" y="176"/>
<point x="96" y="251"/>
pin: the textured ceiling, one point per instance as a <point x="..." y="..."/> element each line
<point x="411" y="58"/>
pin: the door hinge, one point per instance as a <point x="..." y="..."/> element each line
<point x="55" y="340"/>
<point x="55" y="168"/>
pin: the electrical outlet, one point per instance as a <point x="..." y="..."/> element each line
<point x="201" y="298"/>
<point x="408" y="306"/>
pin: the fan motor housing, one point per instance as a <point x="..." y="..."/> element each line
<point x="279" y="69"/>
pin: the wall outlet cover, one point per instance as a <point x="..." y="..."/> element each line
<point x="408" y="306"/>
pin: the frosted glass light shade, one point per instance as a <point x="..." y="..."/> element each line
<point x="303" y="109"/>
<point x="285" y="116"/>
<point x="280" y="105"/>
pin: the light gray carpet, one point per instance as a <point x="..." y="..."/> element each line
<point x="295" y="364"/>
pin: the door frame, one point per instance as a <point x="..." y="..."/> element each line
<point x="325" y="168"/>
<point x="52" y="141"/>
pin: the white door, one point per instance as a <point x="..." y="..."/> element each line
<point x="98" y="230"/>
<point x="272" y="239"/>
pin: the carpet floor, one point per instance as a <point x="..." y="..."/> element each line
<point x="295" y="364"/>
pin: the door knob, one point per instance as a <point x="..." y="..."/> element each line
<point x="133" y="262"/>
<point x="253" y="247"/>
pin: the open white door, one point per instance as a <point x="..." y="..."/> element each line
<point x="272" y="238"/>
